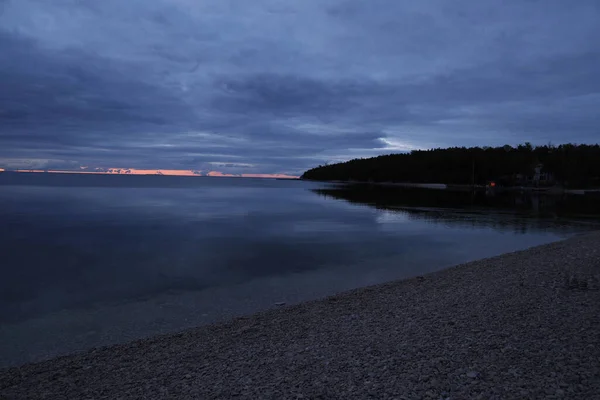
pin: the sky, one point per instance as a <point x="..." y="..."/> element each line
<point x="279" y="86"/>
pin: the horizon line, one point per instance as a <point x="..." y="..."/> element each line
<point x="157" y="172"/>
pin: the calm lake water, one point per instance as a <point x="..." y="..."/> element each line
<point x="95" y="260"/>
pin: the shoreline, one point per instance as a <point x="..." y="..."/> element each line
<point x="550" y="190"/>
<point x="68" y="331"/>
<point x="522" y="324"/>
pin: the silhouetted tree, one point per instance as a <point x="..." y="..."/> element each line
<point x="571" y="164"/>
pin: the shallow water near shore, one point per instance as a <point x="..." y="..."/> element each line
<point x="95" y="260"/>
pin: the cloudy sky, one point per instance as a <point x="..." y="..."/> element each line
<point x="279" y="86"/>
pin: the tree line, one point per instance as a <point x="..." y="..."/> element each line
<point x="570" y="165"/>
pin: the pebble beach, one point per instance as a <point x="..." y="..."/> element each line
<point x="523" y="325"/>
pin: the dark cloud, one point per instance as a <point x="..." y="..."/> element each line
<point x="44" y="93"/>
<point x="272" y="88"/>
<point x="293" y="96"/>
<point x="548" y="77"/>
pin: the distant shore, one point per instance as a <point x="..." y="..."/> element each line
<point x="520" y="325"/>
<point x="467" y="188"/>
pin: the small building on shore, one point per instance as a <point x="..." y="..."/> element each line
<point x="539" y="177"/>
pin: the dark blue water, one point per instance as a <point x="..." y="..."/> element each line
<point x="92" y="260"/>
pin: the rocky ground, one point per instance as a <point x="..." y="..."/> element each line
<point x="523" y="325"/>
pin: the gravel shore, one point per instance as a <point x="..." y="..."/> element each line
<point x="522" y="325"/>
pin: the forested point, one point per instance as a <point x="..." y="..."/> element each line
<point x="569" y="165"/>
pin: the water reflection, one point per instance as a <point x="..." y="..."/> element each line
<point x="87" y="263"/>
<point x="514" y="212"/>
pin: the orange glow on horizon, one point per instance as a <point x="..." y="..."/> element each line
<point x="133" y="171"/>
<point x="223" y="175"/>
<point x="169" y="172"/>
<point x="281" y="176"/>
<point x="217" y="173"/>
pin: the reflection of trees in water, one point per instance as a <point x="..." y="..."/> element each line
<point x="507" y="212"/>
<point x="473" y="220"/>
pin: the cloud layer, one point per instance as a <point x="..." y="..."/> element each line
<point x="273" y="87"/>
